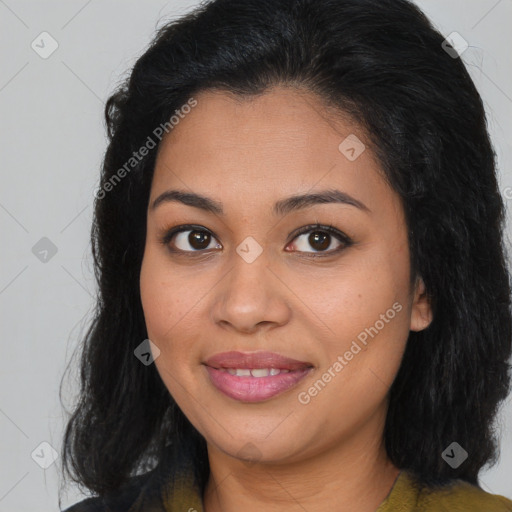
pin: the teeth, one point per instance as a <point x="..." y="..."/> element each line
<point x="260" y="372"/>
<point x="255" y="372"/>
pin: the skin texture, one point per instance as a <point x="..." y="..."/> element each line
<point x="280" y="454"/>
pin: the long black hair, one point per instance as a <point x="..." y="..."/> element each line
<point x="382" y="63"/>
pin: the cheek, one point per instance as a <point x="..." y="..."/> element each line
<point x="173" y="303"/>
<point x="155" y="298"/>
<point x="354" y="295"/>
<point x="168" y="308"/>
<point x="165" y="301"/>
<point x="365" y="306"/>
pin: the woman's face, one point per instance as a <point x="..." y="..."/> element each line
<point x="335" y="303"/>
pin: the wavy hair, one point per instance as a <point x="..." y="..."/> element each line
<point x="382" y="63"/>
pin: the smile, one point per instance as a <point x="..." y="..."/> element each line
<point x="254" y="385"/>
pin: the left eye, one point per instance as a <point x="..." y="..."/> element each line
<point x="319" y="240"/>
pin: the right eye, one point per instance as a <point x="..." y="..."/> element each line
<point x="182" y="238"/>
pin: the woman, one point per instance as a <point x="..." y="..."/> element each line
<point x="304" y="301"/>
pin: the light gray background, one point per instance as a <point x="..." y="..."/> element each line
<point x="52" y="142"/>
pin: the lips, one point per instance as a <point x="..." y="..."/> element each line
<point x="255" y="360"/>
<point x="254" y="377"/>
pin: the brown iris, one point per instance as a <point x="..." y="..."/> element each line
<point x="319" y="240"/>
<point x="199" y="239"/>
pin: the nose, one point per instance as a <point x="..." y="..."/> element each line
<point x="250" y="298"/>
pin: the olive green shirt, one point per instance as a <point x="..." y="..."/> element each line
<point x="157" y="492"/>
<point x="403" y="497"/>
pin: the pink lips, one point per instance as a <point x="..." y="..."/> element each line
<point x="249" y="388"/>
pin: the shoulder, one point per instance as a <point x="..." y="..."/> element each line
<point x="170" y="483"/>
<point x="121" y="500"/>
<point x="88" y="505"/>
<point x="408" y="494"/>
<point x="464" y="497"/>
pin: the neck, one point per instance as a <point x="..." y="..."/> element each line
<point x="355" y="478"/>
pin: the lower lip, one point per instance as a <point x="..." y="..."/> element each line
<point x="254" y="389"/>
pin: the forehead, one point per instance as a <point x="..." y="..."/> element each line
<point x="279" y="143"/>
<point x="283" y="117"/>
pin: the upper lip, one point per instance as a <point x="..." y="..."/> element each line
<point x="236" y="359"/>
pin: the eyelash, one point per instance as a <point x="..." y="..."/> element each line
<point x="331" y="230"/>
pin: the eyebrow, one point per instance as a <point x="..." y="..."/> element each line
<point x="281" y="207"/>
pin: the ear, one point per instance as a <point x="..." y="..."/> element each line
<point x="421" y="312"/>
